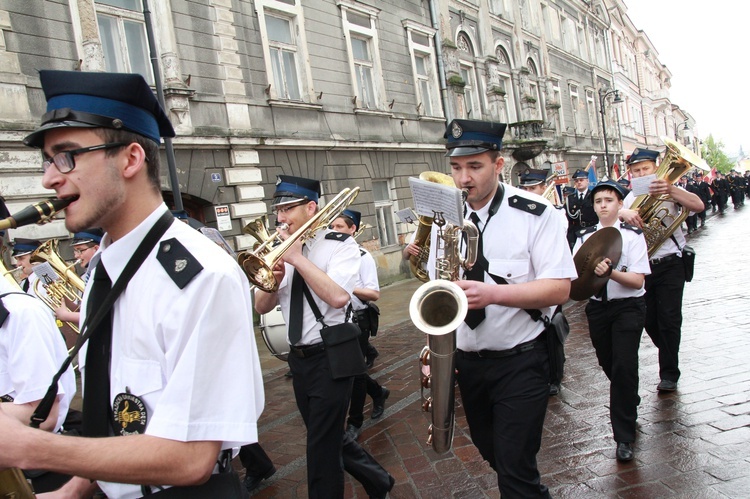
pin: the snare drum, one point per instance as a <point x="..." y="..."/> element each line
<point x="273" y="331"/>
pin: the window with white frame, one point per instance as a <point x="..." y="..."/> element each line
<point x="285" y="49"/>
<point x="575" y="105"/>
<point x="364" y="54"/>
<point x="534" y="89"/>
<point x="470" y="104"/>
<point x="591" y="110"/>
<point x="507" y="107"/>
<point x="557" y="100"/>
<point x="384" y="209"/>
<point x="583" y="51"/>
<point x="501" y="8"/>
<point x="466" y="71"/>
<point x="420" y="41"/>
<point x="122" y="31"/>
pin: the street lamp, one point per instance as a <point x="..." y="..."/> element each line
<point x="603" y="94"/>
<point x="686" y="128"/>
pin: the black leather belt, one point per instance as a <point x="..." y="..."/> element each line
<point x="305" y="351"/>
<point x="664" y="259"/>
<point x="499" y="354"/>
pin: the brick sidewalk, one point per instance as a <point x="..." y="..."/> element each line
<point x="691" y="443"/>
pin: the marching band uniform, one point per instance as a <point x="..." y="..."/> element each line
<point x="616" y="317"/>
<point x="580" y="210"/>
<point x="664" y="289"/>
<point x="363" y="384"/>
<point x="322" y="400"/>
<point x="179" y="352"/>
<point x="183" y="364"/>
<point x="503" y="363"/>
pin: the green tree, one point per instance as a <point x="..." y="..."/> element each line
<point x="713" y="152"/>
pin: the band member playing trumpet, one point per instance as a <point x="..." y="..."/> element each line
<point x="666" y="283"/>
<point x="177" y="343"/>
<point x="329" y="266"/>
<point x="22" y="250"/>
<point x="523" y="263"/>
<point x="617" y="314"/>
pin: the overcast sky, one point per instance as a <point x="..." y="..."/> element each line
<point x="705" y="46"/>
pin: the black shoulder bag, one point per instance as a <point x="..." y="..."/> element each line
<point x="344" y="354"/>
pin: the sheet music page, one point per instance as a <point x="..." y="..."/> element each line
<point x="430" y="197"/>
<point x="639" y="186"/>
<point x="407" y="216"/>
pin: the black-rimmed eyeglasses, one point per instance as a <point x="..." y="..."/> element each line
<point x="65" y="161"/>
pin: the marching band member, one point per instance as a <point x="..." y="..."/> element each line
<point x="524" y="262"/>
<point x="616" y="316"/>
<point x="328" y="265"/>
<point x="665" y="284"/>
<point x="85" y="244"/>
<point x="366" y="290"/>
<point x="22" y="250"/>
<point x="171" y="375"/>
<point x="578" y="206"/>
<point x="31" y="351"/>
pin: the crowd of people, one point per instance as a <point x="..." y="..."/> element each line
<point x="172" y="386"/>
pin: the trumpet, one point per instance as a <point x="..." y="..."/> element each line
<point x="437" y="308"/>
<point x="258" y="264"/>
<point x="41" y="213"/>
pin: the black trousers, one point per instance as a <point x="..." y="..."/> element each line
<point x="505" y="401"/>
<point x="322" y="402"/>
<point x="255" y="460"/>
<point x="363" y="386"/>
<point x="664" y="288"/>
<point x="615" y="328"/>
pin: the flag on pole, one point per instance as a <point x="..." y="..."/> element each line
<point x="591" y="169"/>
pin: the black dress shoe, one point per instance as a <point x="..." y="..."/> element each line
<point x="554" y="389"/>
<point x="392" y="482"/>
<point x="353" y="431"/>
<point x="624" y="452"/>
<point x="378" y="403"/>
<point x="252" y="482"/>
<point x="666" y="385"/>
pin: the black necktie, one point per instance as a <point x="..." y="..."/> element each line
<point x="475" y="317"/>
<point x="96" y="401"/>
<point x="295" y="309"/>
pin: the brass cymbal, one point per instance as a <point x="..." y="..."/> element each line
<point x="604" y="243"/>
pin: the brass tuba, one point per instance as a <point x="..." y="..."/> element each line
<point x="658" y="224"/>
<point x="437" y="308"/>
<point x="258" y="264"/>
<point x="422" y="238"/>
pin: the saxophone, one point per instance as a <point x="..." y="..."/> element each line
<point x="422" y="237"/>
<point x="437" y="308"/>
<point x="658" y="223"/>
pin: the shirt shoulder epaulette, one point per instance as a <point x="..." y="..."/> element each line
<point x="337" y="236"/>
<point x="586" y="230"/>
<point x="631" y="227"/>
<point x="527" y="205"/>
<point x="179" y="263"/>
<point x="362" y="252"/>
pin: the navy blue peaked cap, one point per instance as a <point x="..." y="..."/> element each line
<point x="293" y="189"/>
<point x="24" y="246"/>
<point x="87" y="236"/>
<point x="533" y="177"/>
<point x="121" y="101"/>
<point x="640" y="154"/>
<point x="580" y="174"/>
<point x="467" y="137"/>
<point x="353" y="215"/>
<point x="612" y="185"/>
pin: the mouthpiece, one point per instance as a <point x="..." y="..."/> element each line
<point x="282" y="227"/>
<point x="41" y="213"/>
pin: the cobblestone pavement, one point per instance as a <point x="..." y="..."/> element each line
<point x="693" y="443"/>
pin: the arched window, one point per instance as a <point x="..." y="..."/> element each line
<point x="470" y="108"/>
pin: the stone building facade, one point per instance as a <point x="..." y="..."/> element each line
<point x="352" y="92"/>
